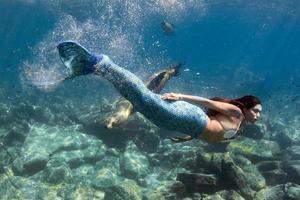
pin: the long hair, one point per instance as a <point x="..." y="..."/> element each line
<point x="245" y="102"/>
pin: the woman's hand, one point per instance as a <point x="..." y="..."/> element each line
<point x="172" y="96"/>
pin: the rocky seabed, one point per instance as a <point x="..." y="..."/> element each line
<point x="48" y="152"/>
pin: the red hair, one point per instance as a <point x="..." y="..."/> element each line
<point x="245" y="102"/>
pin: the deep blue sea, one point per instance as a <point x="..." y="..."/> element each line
<point x="229" y="48"/>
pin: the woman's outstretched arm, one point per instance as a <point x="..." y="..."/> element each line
<point x="224" y="108"/>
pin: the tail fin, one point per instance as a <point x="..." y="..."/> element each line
<point x="77" y="59"/>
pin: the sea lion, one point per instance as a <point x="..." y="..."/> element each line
<point x="155" y="83"/>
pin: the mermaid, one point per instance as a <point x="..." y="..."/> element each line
<point x="173" y="111"/>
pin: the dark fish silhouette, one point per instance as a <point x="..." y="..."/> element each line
<point x="168" y="28"/>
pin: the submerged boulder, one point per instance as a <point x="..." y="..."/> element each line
<point x="196" y="182"/>
<point x="268" y="165"/>
<point x="133" y="163"/>
<point x="224" y="195"/>
<point x="292" y="168"/>
<point x="293" y="152"/>
<point x="275" y="177"/>
<point x="255" y="131"/>
<point x="83" y="192"/>
<point x="63" y="144"/>
<point x="288" y="191"/>
<point x="288" y="134"/>
<point x="252" y="175"/>
<point x="106" y="172"/>
<point x="164" y="190"/>
<point x="184" y="155"/>
<point x="245" y="182"/>
<point x="273" y="172"/>
<point x="127" y="189"/>
<point x="17" y="187"/>
<point x="55" y="172"/>
<point x="255" y="150"/>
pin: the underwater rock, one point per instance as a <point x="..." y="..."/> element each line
<point x="294" y="152"/>
<point x="7" y="156"/>
<point x="230" y="168"/>
<point x="84" y="193"/>
<point x="143" y="133"/>
<point x="272" y="171"/>
<point x="55" y="172"/>
<point x="292" y="168"/>
<point x="109" y="162"/>
<point x="253" y="177"/>
<point x="87" y="114"/>
<point x="133" y="163"/>
<point x="104" y="178"/>
<point x="84" y="174"/>
<point x="268" y="165"/>
<point x="188" y="156"/>
<point x="34" y="113"/>
<point x="6" y="115"/>
<point x="18" y="131"/>
<point x="196" y="182"/>
<point x="182" y="155"/>
<point x="3" y="134"/>
<point x="164" y="190"/>
<point x="275" y="177"/>
<point x="288" y="137"/>
<point x="92" y="153"/>
<point x="230" y="194"/>
<point x="106" y="173"/>
<point x="255" y="150"/>
<point x="255" y="131"/>
<point x="16" y="187"/>
<point x="212" y="197"/>
<point x="288" y="191"/>
<point x="60" y="143"/>
<point x="236" y="175"/>
<point x="29" y="165"/>
<point x="127" y="189"/>
<point x="212" y="162"/>
<point x="224" y="195"/>
<point x="160" y="174"/>
<point x="171" y="174"/>
<point x="113" y="152"/>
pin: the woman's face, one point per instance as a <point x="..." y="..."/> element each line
<point x="253" y="114"/>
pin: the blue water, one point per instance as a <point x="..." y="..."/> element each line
<point x="215" y="39"/>
<point x="230" y="48"/>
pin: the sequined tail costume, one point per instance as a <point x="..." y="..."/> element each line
<point x="179" y="116"/>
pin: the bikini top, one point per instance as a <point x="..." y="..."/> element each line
<point x="232" y="133"/>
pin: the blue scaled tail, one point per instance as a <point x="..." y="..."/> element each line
<point x="77" y="59"/>
<point x="179" y="116"/>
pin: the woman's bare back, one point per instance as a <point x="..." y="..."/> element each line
<point x="217" y="126"/>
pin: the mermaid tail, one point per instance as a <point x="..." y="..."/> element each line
<point x="77" y="59"/>
<point x="179" y="115"/>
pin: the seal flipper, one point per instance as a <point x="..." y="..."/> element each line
<point x="176" y="68"/>
<point x="76" y="58"/>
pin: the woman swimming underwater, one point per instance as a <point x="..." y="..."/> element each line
<point x="171" y="111"/>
